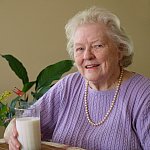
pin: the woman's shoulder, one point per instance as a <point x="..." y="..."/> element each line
<point x="136" y="90"/>
<point x="74" y="77"/>
<point x="136" y="78"/>
<point x="140" y="79"/>
<point x="64" y="84"/>
<point x="71" y="80"/>
<point x="137" y="84"/>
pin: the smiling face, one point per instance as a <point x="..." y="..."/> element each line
<point x="96" y="55"/>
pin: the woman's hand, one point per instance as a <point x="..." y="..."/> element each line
<point x="10" y="136"/>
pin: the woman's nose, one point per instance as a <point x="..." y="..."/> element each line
<point x="88" y="54"/>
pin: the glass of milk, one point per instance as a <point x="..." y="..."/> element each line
<point x="28" y="127"/>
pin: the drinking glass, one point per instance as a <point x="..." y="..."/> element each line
<point x="28" y="127"/>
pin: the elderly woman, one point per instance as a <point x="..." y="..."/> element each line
<point x="102" y="106"/>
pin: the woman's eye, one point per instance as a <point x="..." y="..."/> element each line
<point x="79" y="49"/>
<point x="98" y="46"/>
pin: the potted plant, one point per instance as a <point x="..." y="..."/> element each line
<point x="43" y="82"/>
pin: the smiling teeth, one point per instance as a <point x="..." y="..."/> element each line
<point x="91" y="66"/>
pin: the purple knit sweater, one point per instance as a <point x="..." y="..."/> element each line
<point x="63" y="118"/>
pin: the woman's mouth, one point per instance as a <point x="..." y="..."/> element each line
<point x="91" y="66"/>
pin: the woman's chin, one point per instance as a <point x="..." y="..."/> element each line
<point x="92" y="79"/>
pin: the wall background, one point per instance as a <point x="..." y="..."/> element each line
<point x="33" y="31"/>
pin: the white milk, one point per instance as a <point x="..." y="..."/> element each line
<point x="29" y="133"/>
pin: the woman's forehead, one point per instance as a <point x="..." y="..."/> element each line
<point x="91" y="32"/>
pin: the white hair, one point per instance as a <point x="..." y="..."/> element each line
<point x="98" y="15"/>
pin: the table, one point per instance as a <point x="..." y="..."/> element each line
<point x="45" y="146"/>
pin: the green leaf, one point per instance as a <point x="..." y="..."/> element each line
<point x="52" y="72"/>
<point x="40" y="93"/>
<point x="27" y="86"/>
<point x="3" y="109"/>
<point x="17" y="67"/>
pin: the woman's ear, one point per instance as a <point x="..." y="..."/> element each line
<point x="120" y="50"/>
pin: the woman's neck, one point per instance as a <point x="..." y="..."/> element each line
<point x="108" y="83"/>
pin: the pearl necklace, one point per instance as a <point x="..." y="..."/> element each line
<point x="111" y="106"/>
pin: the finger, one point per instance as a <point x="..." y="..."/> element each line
<point x="8" y="130"/>
<point x="14" y="131"/>
<point x="14" y="142"/>
<point x="11" y="146"/>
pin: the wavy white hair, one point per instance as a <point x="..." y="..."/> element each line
<point x="117" y="33"/>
